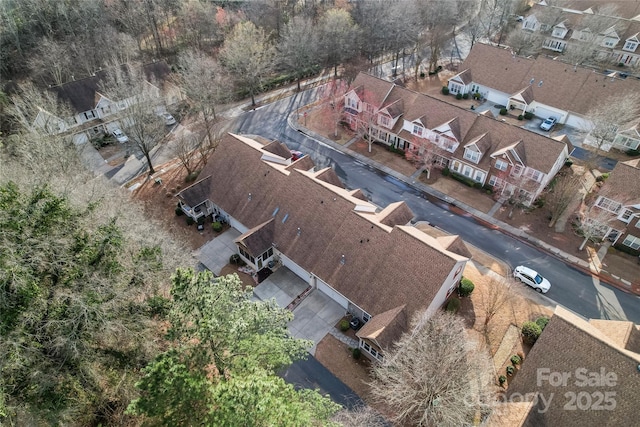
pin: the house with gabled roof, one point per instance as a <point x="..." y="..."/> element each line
<point x="94" y="112"/>
<point x="492" y="153"/>
<point x="542" y="86"/>
<point x="368" y="259"/>
<point x="612" y="26"/>
<point x="620" y="197"/>
<point x="580" y="373"/>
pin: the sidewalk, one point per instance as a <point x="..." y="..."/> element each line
<point x="588" y="267"/>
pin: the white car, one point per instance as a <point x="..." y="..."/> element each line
<point x="119" y="136"/>
<point x="169" y="120"/>
<point x="532" y="278"/>
<point x="549" y="123"/>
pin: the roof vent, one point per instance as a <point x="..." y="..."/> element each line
<point x="540" y="83"/>
<point x="275" y="211"/>
<point x="343" y="259"/>
<point x="531" y="81"/>
<point x="299" y="231"/>
<point x="249" y="196"/>
<point x="286" y="217"/>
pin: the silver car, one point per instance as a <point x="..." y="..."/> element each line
<point x="549" y="123"/>
<point x="532" y="278"/>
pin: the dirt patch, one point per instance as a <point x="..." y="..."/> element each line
<point x="381" y="154"/>
<point x="474" y="197"/>
<point x="160" y="203"/>
<point x="247" y="280"/>
<point x="338" y="359"/>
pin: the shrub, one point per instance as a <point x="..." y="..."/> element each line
<point x="463" y="179"/>
<point x="633" y="152"/>
<point x="344" y="325"/>
<point x="568" y="162"/>
<point x="190" y="221"/>
<point x="510" y="370"/>
<point x="453" y="305"/>
<point x="602" y="177"/>
<point x="502" y="379"/>
<point x="520" y="117"/>
<point x="158" y="305"/>
<point x="445" y="90"/>
<point x="531" y="332"/>
<point x="458" y="96"/>
<point x="465" y="96"/>
<point x="356" y="353"/>
<point x="422" y="74"/>
<point x="627" y="249"/>
<point x="234" y="259"/>
<point x="217" y="226"/>
<point x="446" y="171"/>
<point x="466" y="287"/>
<point x="200" y="220"/>
<point x="539" y="202"/>
<point x="179" y="211"/>
<point x="503" y="111"/>
<point x="477" y="95"/>
<point x="515" y="359"/>
<point x="528" y="115"/>
<point x="192" y="176"/>
<point x="542" y="322"/>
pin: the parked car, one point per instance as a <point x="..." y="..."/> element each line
<point x="119" y="136"/>
<point x="549" y="123"/>
<point x="168" y="119"/>
<point x="295" y="155"/>
<point x="531" y="278"/>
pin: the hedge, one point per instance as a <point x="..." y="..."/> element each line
<point x="528" y="115"/>
<point x="463" y="179"/>
<point x="542" y="322"/>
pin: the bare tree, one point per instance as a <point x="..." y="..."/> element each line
<point x="434" y="375"/>
<point x="248" y="56"/>
<point x="204" y="84"/>
<point x="605" y="119"/>
<point x="593" y="224"/>
<point x="525" y="43"/>
<point x="440" y="19"/>
<point x="493" y="299"/>
<point x="359" y="417"/>
<point x="331" y="100"/>
<point x="185" y="149"/>
<point x="562" y="192"/>
<point x="338" y="37"/>
<point x="425" y="154"/>
<point x="298" y="48"/>
<point x="51" y="62"/>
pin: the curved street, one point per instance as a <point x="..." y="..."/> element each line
<point x="571" y="287"/>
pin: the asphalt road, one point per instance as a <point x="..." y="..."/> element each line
<point x="572" y="288"/>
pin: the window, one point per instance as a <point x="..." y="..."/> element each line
<point x="479" y="176"/>
<point x="89" y="114"/>
<point x="352" y="103"/>
<point x="384" y="120"/>
<point x="501" y="164"/>
<point x="494" y="181"/>
<point x="630" y="46"/>
<point x="533" y="174"/>
<point x="267" y="254"/>
<point x="455" y="166"/>
<point x="632" y="241"/>
<point x="517" y="170"/>
<point x="626" y="215"/>
<point x="529" y="25"/>
<point x="369" y="108"/>
<point x="365" y="317"/>
<point x="246" y="255"/>
<point x="608" y="205"/>
<point x="417" y="130"/>
<point x="467" y="171"/>
<point x="625" y="141"/>
<point x="609" y="42"/>
<point x="471" y="155"/>
<point x="559" y="32"/>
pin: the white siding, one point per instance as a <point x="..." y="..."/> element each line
<point x="299" y="271"/>
<point x="332" y="293"/>
<point x="452" y="280"/>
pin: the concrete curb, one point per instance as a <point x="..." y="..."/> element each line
<point x="478" y="215"/>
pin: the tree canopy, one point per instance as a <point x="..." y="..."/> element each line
<point x="220" y="369"/>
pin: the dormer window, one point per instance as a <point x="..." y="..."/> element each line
<point x="471" y="155"/>
<point x="352" y="103"/>
<point x="608" y="42"/>
<point x="559" y="32"/>
<point x="384" y="120"/>
<point x="630" y="46"/>
<point x="418" y="130"/>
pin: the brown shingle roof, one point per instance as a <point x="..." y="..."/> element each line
<point x="332" y="222"/>
<point x="279" y="149"/>
<point x="328" y="175"/>
<point x="373" y="92"/>
<point x="623" y="184"/>
<point x="624" y="334"/>
<point x="552" y="82"/>
<point x="258" y="239"/>
<point x="384" y="328"/>
<point x="569" y="343"/>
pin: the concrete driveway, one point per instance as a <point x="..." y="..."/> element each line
<point x="314" y="317"/>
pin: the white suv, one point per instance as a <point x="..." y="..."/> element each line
<point x="532" y="278"/>
<point x="119" y="136"/>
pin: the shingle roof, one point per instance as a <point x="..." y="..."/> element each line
<point x="384" y="266"/>
<point x="196" y="193"/>
<point x="373" y="93"/>
<point x="492" y="135"/>
<point x="279" y="149"/>
<point x="623" y="184"/>
<point x="552" y="82"/>
<point x="567" y="344"/>
<point x="384" y="328"/>
<point x="259" y="238"/>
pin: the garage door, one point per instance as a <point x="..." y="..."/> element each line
<point x="332" y="293"/>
